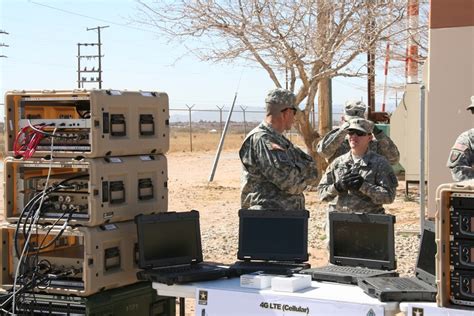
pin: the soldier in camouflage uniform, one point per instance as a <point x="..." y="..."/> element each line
<point x="275" y="172"/>
<point x="335" y="143"/>
<point x="461" y="158"/>
<point x="360" y="180"/>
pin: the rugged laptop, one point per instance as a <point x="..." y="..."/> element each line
<point x="419" y="288"/>
<point x="169" y="249"/>
<point x="361" y="245"/>
<point x="272" y="241"/>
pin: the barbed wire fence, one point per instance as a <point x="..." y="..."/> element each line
<point x="194" y="120"/>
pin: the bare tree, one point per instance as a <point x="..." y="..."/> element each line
<point x="310" y="40"/>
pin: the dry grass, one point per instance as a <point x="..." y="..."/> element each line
<point x="205" y="141"/>
<point x="201" y="141"/>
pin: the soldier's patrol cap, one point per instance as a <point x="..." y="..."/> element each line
<point x="354" y="109"/>
<point x="471" y="107"/>
<point x="361" y="124"/>
<point x="279" y="99"/>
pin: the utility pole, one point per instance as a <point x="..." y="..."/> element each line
<point x="83" y="79"/>
<point x="370" y="60"/>
<point x="3" y="44"/>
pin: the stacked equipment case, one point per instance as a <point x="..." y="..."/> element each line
<point x="82" y="164"/>
<point x="455" y="243"/>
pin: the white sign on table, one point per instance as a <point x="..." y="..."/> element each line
<point x="212" y="302"/>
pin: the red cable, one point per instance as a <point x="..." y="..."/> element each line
<point x="26" y="146"/>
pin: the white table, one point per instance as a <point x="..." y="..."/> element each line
<point x="226" y="297"/>
<point x="431" y="309"/>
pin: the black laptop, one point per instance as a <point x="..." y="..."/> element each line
<point x="169" y="249"/>
<point x="361" y="245"/>
<point x="272" y="241"/>
<point x="422" y="287"/>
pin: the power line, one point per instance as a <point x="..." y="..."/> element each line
<point x="93" y="18"/>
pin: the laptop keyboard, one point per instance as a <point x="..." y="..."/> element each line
<point x="266" y="264"/>
<point x="406" y="284"/>
<point x="181" y="269"/>
<point x="350" y="270"/>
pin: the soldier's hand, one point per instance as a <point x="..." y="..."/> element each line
<point x="354" y="182"/>
<point x="341" y="184"/>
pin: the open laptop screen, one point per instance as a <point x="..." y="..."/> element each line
<point x="362" y="240"/>
<point x="273" y="235"/>
<point x="169" y="239"/>
<point x="426" y="263"/>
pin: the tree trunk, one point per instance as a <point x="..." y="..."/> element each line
<point x="309" y="131"/>
<point x="324" y="115"/>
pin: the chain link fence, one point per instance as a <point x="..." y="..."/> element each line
<point x="194" y="121"/>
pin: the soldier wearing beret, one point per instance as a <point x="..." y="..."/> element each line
<point x="461" y="157"/>
<point x="275" y="172"/>
<point x="335" y="144"/>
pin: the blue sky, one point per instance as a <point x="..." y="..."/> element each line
<point x="42" y="54"/>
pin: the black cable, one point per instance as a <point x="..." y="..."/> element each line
<point x="31" y="276"/>
<point x="33" y="202"/>
<point x="25" y="209"/>
<point x="41" y="247"/>
<point x="30" y="210"/>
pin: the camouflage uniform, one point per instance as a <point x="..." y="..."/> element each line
<point x="379" y="186"/>
<point x="275" y="172"/>
<point x="335" y="144"/>
<point x="461" y="158"/>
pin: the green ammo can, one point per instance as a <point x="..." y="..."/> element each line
<point x="138" y="299"/>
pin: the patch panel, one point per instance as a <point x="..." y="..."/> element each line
<point x="87" y="123"/>
<point x="86" y="192"/>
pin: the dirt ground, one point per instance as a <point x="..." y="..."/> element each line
<point x="218" y="203"/>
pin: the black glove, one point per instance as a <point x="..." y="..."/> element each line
<point x="341" y="184"/>
<point x="354" y="182"/>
